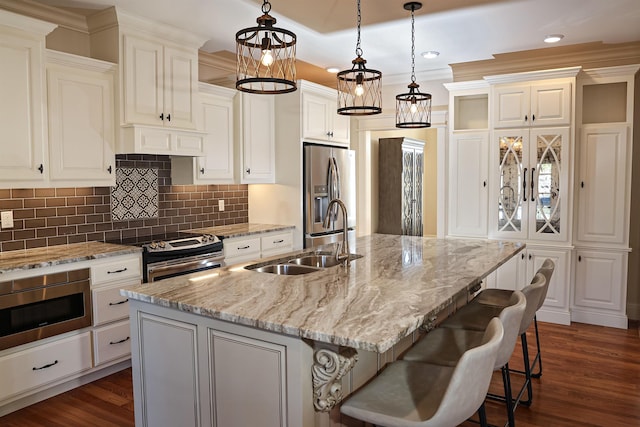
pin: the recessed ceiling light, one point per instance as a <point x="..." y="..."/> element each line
<point x="553" y="38"/>
<point x="333" y="70"/>
<point x="430" y="54"/>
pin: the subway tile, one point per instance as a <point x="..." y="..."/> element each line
<point x="99" y="237"/>
<point x="13" y="245"/>
<point x="85" y="210"/>
<point x="63" y="192"/>
<point x="129" y="232"/>
<point x="45" y="192"/>
<point x="69" y="210"/>
<point x="75" y="201"/>
<point x="24" y="214"/>
<point x="84" y="191"/>
<point x="102" y="191"/>
<point x="112" y="236"/>
<point x="136" y="223"/>
<point x="36" y="243"/>
<point x="34" y="203"/>
<point x="6" y="236"/>
<point x="76" y="219"/>
<point x="86" y="228"/>
<point x="95" y="218"/>
<point x="56" y="221"/>
<point x="117" y="225"/>
<point x="77" y="238"/>
<point x="93" y="200"/>
<point x="66" y="230"/>
<point x="190" y="204"/>
<point x="56" y="202"/>
<point x="102" y="208"/>
<point x="54" y="241"/>
<point x="8" y="204"/>
<point x="35" y="223"/>
<point x="46" y="232"/>
<point x="5" y="194"/>
<point x="22" y="193"/>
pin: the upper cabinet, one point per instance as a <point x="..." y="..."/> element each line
<point x="537" y="104"/>
<point x="80" y="93"/>
<point x="23" y="142"/>
<point x="158" y="82"/>
<point x="257" y="136"/>
<point x="320" y="120"/>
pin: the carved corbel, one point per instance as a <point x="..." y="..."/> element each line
<point x="328" y="369"/>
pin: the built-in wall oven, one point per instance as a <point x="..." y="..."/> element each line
<point x="172" y="258"/>
<point x="42" y="306"/>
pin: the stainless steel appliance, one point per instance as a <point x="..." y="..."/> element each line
<point x="329" y="173"/>
<point x="172" y="258"/>
<point x="39" y="307"/>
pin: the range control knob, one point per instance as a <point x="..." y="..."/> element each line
<point x="162" y="244"/>
<point x="153" y="245"/>
<point x="206" y="238"/>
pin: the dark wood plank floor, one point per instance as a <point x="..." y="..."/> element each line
<point x="591" y="378"/>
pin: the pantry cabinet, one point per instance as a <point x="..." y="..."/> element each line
<point x="23" y="114"/>
<point x="600" y="286"/>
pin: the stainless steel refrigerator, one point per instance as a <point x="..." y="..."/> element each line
<point x="329" y="173"/>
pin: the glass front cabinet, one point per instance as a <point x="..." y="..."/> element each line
<point x="530" y="184"/>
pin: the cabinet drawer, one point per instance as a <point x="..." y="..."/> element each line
<point x="241" y="248"/>
<point x="277" y="241"/>
<point x="44" y="364"/>
<point x="111" y="342"/>
<point x="116" y="269"/>
<point x="109" y="305"/>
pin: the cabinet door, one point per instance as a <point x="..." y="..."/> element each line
<point x="549" y="192"/>
<point x="511" y="106"/>
<point x="340" y="124"/>
<point x="217" y="119"/>
<point x="180" y="87"/>
<point x="233" y="357"/>
<point x="159" y="364"/>
<point x="315" y="117"/>
<point x="599" y="280"/>
<point x="143" y="81"/>
<point x="22" y="114"/>
<point x="550" y="104"/>
<point x="468" y="180"/>
<point x="558" y="292"/>
<point x="601" y="184"/>
<point x="258" y="147"/>
<point x="510" y="195"/>
<point x="511" y="275"/>
<point x="81" y="126"/>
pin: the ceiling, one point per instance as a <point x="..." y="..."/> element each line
<point x="461" y="30"/>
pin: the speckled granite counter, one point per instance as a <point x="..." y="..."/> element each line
<point x="60" y="254"/>
<point x="238" y="230"/>
<point x="388" y="293"/>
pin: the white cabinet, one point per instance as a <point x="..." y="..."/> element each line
<point x="111" y="342"/>
<point x="537" y="104"/>
<point x="276" y="244"/>
<point x="160" y="83"/>
<point x="530" y="194"/>
<point x="320" y="120"/>
<point x="23" y="116"/>
<point x="165" y="352"/>
<point x="256" y="246"/>
<point x="257" y="139"/>
<point x="468" y="183"/>
<point x="81" y="120"/>
<point x="215" y="118"/>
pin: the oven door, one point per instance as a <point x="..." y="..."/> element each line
<point x="178" y="267"/>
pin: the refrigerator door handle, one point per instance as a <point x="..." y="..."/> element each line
<point x="337" y="179"/>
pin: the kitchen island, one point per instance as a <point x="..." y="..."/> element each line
<point x="239" y="347"/>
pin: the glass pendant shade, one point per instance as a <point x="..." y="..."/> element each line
<point x="359" y="88"/>
<point x="413" y="109"/>
<point x="266" y="57"/>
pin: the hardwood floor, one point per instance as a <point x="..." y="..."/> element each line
<point x="591" y="378"/>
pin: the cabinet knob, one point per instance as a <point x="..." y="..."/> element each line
<point x="522" y="256"/>
<point x="41" y="168"/>
<point x="169" y="117"/>
<point x="581" y="184"/>
<point x="162" y="116"/>
<point x="526" y="117"/>
<point x="248" y="171"/>
<point x="484" y="183"/>
<point x="110" y="169"/>
<point x="529" y="256"/>
<point x="579" y="258"/>
<point x="533" y="118"/>
<point x="202" y="170"/>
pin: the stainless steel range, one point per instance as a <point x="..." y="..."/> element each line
<point x="164" y="259"/>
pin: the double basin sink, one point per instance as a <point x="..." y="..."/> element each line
<point x="300" y="265"/>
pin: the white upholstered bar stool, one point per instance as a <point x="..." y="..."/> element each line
<point x="445" y="346"/>
<point x="426" y="395"/>
<point x="475" y="316"/>
<point x="500" y="297"/>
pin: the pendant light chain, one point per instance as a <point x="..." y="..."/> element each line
<point x="413" y="46"/>
<point x="358" y="49"/>
<point x="266" y="7"/>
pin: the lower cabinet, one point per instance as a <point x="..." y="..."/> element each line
<point x="111" y="342"/>
<point x="599" y="295"/>
<point x="256" y="246"/>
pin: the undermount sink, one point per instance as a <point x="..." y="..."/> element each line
<point x="320" y="261"/>
<point x="286" y="269"/>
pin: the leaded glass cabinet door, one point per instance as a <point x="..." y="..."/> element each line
<point x="549" y="176"/>
<point x="511" y="196"/>
<point x="417" y="205"/>
<point x="408" y="184"/>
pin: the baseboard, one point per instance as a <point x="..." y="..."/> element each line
<point x="552" y="316"/>
<point x="67" y="384"/>
<point x="611" y="320"/>
<point x="633" y="311"/>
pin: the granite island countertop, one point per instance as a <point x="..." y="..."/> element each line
<point x="60" y="254"/>
<point x="399" y="282"/>
<point x="239" y="230"/>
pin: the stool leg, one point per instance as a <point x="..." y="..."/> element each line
<point x="506" y="380"/>
<point x="482" y="414"/>
<point x="527" y="371"/>
<point x="538" y="358"/>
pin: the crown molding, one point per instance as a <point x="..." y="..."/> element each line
<point x="621" y="71"/>
<point x="71" y="60"/>
<point x="421" y="76"/>
<point x="468" y="85"/>
<point x="60" y="17"/>
<point x="534" y="75"/>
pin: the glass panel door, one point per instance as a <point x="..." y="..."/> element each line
<point x="512" y="176"/>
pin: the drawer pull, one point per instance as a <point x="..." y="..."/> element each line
<point x="119" y="342"/>
<point x="55" y="362"/>
<point x="475" y="288"/>
<point x="244" y="247"/>
<point x="117" y="271"/>
<point x="119" y="302"/>
<point x="278" y="241"/>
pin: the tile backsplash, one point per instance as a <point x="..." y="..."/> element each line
<point x="55" y="216"/>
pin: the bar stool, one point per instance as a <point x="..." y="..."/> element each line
<point x="475" y="316"/>
<point x="445" y="346"/>
<point x="500" y="297"/>
<point x="427" y="395"/>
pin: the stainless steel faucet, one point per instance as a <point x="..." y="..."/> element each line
<point x="342" y="254"/>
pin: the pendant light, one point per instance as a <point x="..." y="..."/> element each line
<point x="266" y="57"/>
<point x="413" y="109"/>
<point x="359" y="88"/>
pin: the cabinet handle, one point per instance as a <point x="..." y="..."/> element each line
<point x="244" y="247"/>
<point x="55" y="362"/>
<point x="524" y="185"/>
<point x="248" y="170"/>
<point x="117" y="271"/>
<point x="162" y="116"/>
<point x="522" y="256"/>
<point x="484" y="183"/>
<point x="41" y="168"/>
<point x="529" y="256"/>
<point x="533" y="118"/>
<point x="278" y="241"/>
<point x="169" y="117"/>
<point x="119" y="342"/>
<point x="581" y="184"/>
<point x="579" y="258"/>
<point x="119" y="302"/>
<point x="202" y="170"/>
<point x="532" y="184"/>
<point x="110" y="169"/>
<point x="526" y="117"/>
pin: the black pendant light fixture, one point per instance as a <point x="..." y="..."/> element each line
<point x="266" y="57"/>
<point x="359" y="88"/>
<point x="413" y="109"/>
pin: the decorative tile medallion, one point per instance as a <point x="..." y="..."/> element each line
<point x="135" y="195"/>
